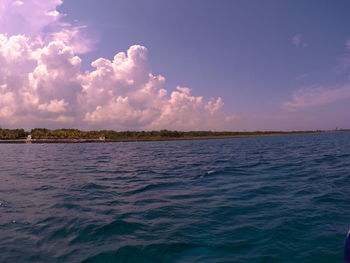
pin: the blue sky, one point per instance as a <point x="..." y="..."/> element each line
<point x="242" y="51"/>
<point x="275" y="64"/>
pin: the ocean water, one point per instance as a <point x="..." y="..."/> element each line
<point x="267" y="199"/>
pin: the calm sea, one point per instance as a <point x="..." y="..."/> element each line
<point x="268" y="199"/>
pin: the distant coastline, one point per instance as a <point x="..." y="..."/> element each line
<point x="40" y="135"/>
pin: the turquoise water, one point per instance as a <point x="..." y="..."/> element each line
<point x="269" y="199"/>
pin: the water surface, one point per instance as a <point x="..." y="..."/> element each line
<point x="267" y="199"/>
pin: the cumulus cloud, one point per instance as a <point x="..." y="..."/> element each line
<point x="54" y="106"/>
<point x="41" y="81"/>
<point x="316" y="96"/>
<point x="40" y="21"/>
<point x="28" y="16"/>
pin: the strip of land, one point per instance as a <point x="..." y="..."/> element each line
<point x="40" y="135"/>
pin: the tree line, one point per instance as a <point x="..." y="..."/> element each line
<point x="7" y="134"/>
<point x="42" y="133"/>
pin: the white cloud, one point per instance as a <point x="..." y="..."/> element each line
<point x="124" y="93"/>
<point x="316" y="96"/>
<point x="41" y="81"/>
<point x="28" y="17"/>
<point x="54" y="106"/>
<point x="18" y="3"/>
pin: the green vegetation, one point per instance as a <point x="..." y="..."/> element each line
<point x="6" y="134"/>
<point x="110" y="135"/>
<point x="139" y="135"/>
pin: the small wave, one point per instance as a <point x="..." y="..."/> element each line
<point x="152" y="187"/>
<point x="93" y="186"/>
<point x="210" y="172"/>
<point x="3" y="203"/>
<point x="69" y="206"/>
<point x="330" y="198"/>
<point x="162" y="252"/>
<point x="111" y="230"/>
<point x="44" y="188"/>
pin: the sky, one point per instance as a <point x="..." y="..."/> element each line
<point x="184" y="65"/>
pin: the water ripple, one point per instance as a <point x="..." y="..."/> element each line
<point x="270" y="199"/>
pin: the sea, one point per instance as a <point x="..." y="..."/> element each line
<point x="264" y="199"/>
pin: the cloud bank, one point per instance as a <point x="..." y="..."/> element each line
<point x="42" y="84"/>
<point x="316" y="96"/>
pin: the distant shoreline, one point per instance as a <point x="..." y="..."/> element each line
<point x="145" y="139"/>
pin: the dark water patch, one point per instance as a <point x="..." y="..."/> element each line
<point x="44" y="188"/>
<point x="68" y="206"/>
<point x="331" y="198"/>
<point x="174" y="252"/>
<point x="93" y="186"/>
<point x="115" y="230"/>
<point x="153" y="187"/>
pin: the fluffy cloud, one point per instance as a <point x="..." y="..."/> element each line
<point x="28" y="16"/>
<point x="41" y="81"/>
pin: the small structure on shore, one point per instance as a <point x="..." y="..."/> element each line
<point x="29" y="139"/>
